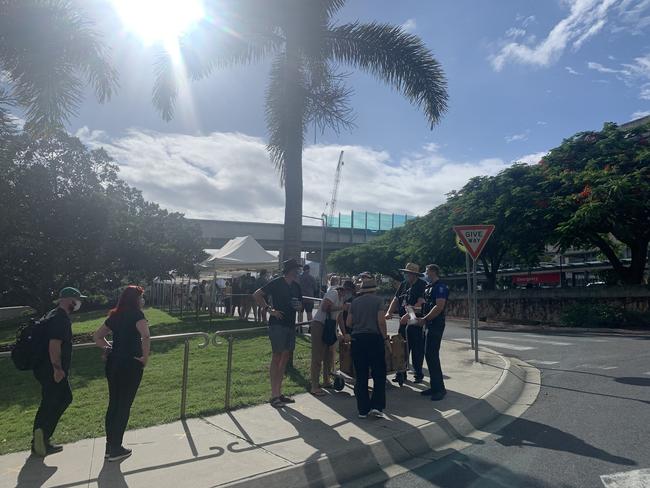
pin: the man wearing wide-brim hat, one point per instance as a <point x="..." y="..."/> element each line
<point x="410" y="294"/>
<point x="52" y="368"/>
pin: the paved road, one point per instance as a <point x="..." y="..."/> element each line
<point x="591" y="419"/>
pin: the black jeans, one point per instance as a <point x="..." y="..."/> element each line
<point x="368" y="355"/>
<point x="124" y="376"/>
<point x="433" y="337"/>
<point x="55" y="398"/>
<point x="415" y="338"/>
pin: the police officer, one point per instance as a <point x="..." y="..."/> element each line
<point x="410" y="294"/>
<point x="435" y="296"/>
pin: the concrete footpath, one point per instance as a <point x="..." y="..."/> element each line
<point x="315" y="442"/>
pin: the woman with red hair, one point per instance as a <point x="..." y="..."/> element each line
<point x="126" y="358"/>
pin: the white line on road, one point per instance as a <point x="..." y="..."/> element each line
<point x="541" y="341"/>
<point x="545" y="363"/>
<point x="580" y="338"/>
<point x="500" y="345"/>
<point x="648" y="373"/>
<point x="639" y="478"/>
<point x="596" y="366"/>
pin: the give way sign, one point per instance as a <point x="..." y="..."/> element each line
<point x="474" y="237"/>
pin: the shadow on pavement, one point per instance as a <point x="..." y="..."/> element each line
<point x="633" y="381"/>
<point x="34" y="473"/>
<point x="111" y="476"/>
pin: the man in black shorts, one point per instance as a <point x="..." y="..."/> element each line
<point x="286" y="296"/>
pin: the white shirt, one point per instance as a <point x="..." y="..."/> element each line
<point x="333" y="296"/>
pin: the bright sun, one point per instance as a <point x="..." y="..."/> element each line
<point x="159" y="20"/>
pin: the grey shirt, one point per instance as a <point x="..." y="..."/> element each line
<point x="365" y="310"/>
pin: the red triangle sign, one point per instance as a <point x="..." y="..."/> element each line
<point x="474" y="237"/>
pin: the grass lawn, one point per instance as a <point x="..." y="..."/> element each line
<point x="158" y="400"/>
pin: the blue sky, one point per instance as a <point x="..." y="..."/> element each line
<point x="522" y="76"/>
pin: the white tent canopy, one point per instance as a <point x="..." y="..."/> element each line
<point x="239" y="254"/>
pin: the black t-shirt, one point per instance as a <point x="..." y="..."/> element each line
<point x="345" y="314"/>
<point x="287" y="298"/>
<point x="127" y="342"/>
<point x="433" y="292"/>
<point x="408" y="294"/>
<point x="59" y="326"/>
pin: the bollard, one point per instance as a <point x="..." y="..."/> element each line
<point x="186" y="354"/>
<point x="231" y="340"/>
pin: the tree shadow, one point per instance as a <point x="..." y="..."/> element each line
<point x="633" y="381"/>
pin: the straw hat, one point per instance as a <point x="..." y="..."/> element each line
<point x="367" y="285"/>
<point x="411" y="268"/>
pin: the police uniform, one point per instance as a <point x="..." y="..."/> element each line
<point x="409" y="294"/>
<point x="433" y="334"/>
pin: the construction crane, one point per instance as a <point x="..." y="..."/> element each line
<point x="335" y="191"/>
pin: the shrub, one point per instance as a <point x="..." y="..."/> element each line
<point x="600" y="315"/>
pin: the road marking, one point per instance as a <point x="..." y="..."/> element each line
<point x="500" y="345"/>
<point x="596" y="366"/>
<point x="545" y="363"/>
<point x="582" y="339"/>
<point x="639" y="478"/>
<point x="541" y="341"/>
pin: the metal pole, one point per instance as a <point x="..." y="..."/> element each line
<point x="322" y="256"/>
<point x="186" y="356"/>
<point x="231" y="340"/>
<point x="475" y="312"/>
<point x="470" y="303"/>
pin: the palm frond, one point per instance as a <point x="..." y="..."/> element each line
<point x="49" y="49"/>
<point x="165" y="88"/>
<point x="328" y="101"/>
<point x="397" y="57"/>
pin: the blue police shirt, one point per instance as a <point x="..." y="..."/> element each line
<point x="432" y="293"/>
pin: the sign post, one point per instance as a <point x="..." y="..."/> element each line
<point x="472" y="238"/>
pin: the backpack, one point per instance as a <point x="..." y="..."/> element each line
<point x="31" y="344"/>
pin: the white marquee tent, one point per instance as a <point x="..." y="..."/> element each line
<point x="240" y="254"/>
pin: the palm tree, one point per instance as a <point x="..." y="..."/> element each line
<point x="48" y="51"/>
<point x="306" y="48"/>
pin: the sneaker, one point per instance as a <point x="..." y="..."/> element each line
<point x="119" y="453"/>
<point x="426" y="392"/>
<point x="286" y="399"/>
<point x="417" y="380"/>
<point x="395" y="380"/>
<point x="378" y="414"/>
<point x="437" y="396"/>
<point x="39" y="446"/>
<point x="363" y="416"/>
<point x="277" y="402"/>
<point x="53" y="448"/>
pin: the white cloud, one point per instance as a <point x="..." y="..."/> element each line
<point x="638" y="71"/>
<point x="409" y="25"/>
<point x="640" y="114"/>
<point x="585" y="19"/>
<point x="532" y="158"/>
<point x="572" y="71"/>
<point x="515" y="32"/>
<point x="517" y="137"/>
<point x="229" y="175"/>
<point x="541" y="122"/>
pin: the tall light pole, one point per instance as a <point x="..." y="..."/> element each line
<point x="321" y="266"/>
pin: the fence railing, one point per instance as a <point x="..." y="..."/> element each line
<point x="161" y="338"/>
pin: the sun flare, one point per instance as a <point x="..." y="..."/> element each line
<point x="161" y="21"/>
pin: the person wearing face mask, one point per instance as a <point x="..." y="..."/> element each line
<point x="52" y="371"/>
<point x="126" y="357"/>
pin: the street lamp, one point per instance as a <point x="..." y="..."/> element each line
<point x="321" y="267"/>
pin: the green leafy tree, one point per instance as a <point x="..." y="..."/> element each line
<point x="305" y="46"/>
<point x="69" y="220"/>
<point x="49" y="51"/>
<point x="600" y="187"/>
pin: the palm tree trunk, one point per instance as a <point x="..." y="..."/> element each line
<point x="292" y="245"/>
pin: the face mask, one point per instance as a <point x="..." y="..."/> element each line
<point x="428" y="280"/>
<point x="76" y="305"/>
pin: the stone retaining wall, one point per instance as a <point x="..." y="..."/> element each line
<point x="546" y="306"/>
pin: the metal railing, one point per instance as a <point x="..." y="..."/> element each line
<point x="161" y="338"/>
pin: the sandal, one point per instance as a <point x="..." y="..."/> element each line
<point x="277" y="402"/>
<point x="286" y="399"/>
<point x="318" y="393"/>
